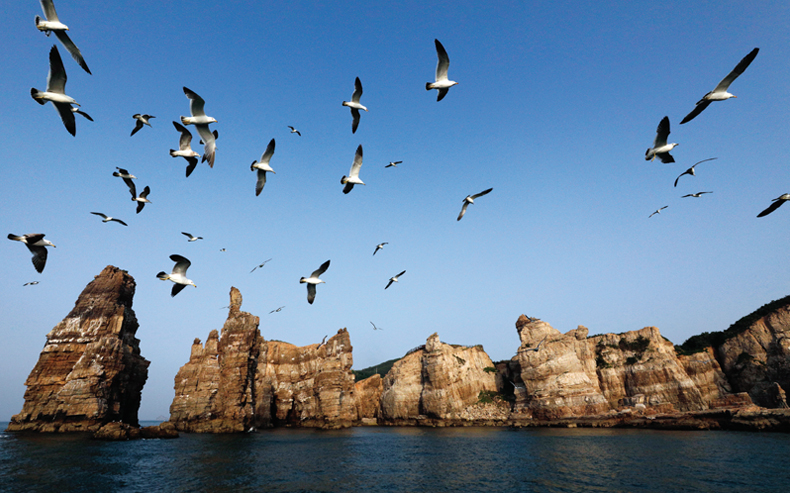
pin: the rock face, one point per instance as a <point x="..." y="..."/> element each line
<point x="238" y="381"/>
<point x="90" y="371"/>
<point x="436" y="381"/>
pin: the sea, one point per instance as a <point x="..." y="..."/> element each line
<point x="401" y="459"/>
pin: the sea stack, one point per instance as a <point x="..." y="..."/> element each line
<point x="90" y="371"/>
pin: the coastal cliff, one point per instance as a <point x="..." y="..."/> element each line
<point x="90" y="371"/>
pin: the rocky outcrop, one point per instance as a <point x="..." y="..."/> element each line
<point x="90" y="371"/>
<point x="437" y="381"/>
<point x="368" y="398"/>
<point x="239" y="381"/>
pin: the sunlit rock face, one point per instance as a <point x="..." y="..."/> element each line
<point x="90" y="371"/>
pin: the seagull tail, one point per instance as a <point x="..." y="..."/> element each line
<point x="343" y="180"/>
<point x="38" y="20"/>
<point x="427" y="86"/>
<point x="162" y="276"/>
<point x="35" y="92"/>
<point x="173" y="152"/>
<point x="185" y="120"/>
<point x="14" y="237"/>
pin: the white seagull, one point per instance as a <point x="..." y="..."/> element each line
<point x="53" y="24"/>
<point x="107" y="218"/>
<point x="263" y="166"/>
<point x="140" y="121"/>
<point x="660" y="147"/>
<point x="142" y="199"/>
<point x="470" y="199"/>
<point x="258" y="266"/>
<point x="698" y="194"/>
<point x="31" y="283"/>
<point x="442" y="83"/>
<point x="393" y="164"/>
<point x="313" y="280"/>
<point x="658" y="211"/>
<point x="719" y="93"/>
<point x="690" y="171"/>
<point x="201" y="121"/>
<point x="374" y="326"/>
<point x="56" y="87"/>
<point x="294" y="131"/>
<point x="776" y="203"/>
<point x="354" y="105"/>
<point x="192" y="237"/>
<point x="185" y="148"/>
<point x="394" y="279"/>
<point x="276" y="310"/>
<point x="36" y="244"/>
<point x="179" y="274"/>
<point x="353" y="175"/>
<point x="379" y="247"/>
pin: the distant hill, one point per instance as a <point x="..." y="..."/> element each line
<point x="381" y="369"/>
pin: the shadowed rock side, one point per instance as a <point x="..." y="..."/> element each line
<point x="239" y="381"/>
<point x="90" y="371"/>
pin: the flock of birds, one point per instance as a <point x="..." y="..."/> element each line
<point x="67" y="107"/>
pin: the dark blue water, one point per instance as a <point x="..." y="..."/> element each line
<point x="402" y="460"/>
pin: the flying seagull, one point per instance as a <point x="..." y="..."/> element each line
<point x="31" y="283"/>
<point x="536" y="348"/>
<point x="140" y="121"/>
<point x="56" y="87"/>
<point x="201" y="121"/>
<point x="258" y="266"/>
<point x="719" y="93"/>
<point x="690" y="171"/>
<point x="778" y="201"/>
<point x="470" y="199"/>
<point x="374" y="326"/>
<point x="393" y="164"/>
<point x="354" y="105"/>
<point x="353" y="175"/>
<point x="379" y="247"/>
<point x="698" y="194"/>
<point x="107" y="218"/>
<point x="658" y="211"/>
<point x="127" y="178"/>
<point x="442" y="83"/>
<point x="192" y="237"/>
<point x="263" y="166"/>
<point x="294" y="131"/>
<point x="36" y="244"/>
<point x="185" y="148"/>
<point x="313" y="280"/>
<point x="394" y="279"/>
<point x="660" y="147"/>
<point x="53" y="24"/>
<point x="142" y="199"/>
<point x="277" y="310"/>
<point x="179" y="274"/>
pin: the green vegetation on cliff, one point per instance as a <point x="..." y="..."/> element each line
<point x="381" y="369"/>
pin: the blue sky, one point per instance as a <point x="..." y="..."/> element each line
<point x="555" y="108"/>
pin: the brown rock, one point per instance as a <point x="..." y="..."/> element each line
<point x="117" y="431"/>
<point x="162" y="430"/>
<point x="368" y="397"/>
<point x="90" y="371"/>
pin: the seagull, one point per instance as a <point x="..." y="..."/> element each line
<point x="178" y="276"/>
<point x="719" y="93"/>
<point x="263" y="166"/>
<point x="442" y="83"/>
<point x="277" y="310"/>
<point x="536" y="348"/>
<point x="108" y="218"/>
<point x="658" y="211"/>
<point x="379" y="247"/>
<point x="192" y="237"/>
<point x="142" y="199"/>
<point x="258" y="266"/>
<point x="140" y="121"/>
<point x="778" y="201"/>
<point x="394" y="279"/>
<point x="79" y="112"/>
<point x="374" y="326"/>
<point x="690" y="171"/>
<point x="660" y="147"/>
<point x="31" y="283"/>
<point x="354" y="105"/>
<point x="353" y="175"/>
<point x="53" y="24"/>
<point x="693" y="194"/>
<point x="323" y="341"/>
<point x="470" y="199"/>
<point x="221" y="249"/>
<point x="201" y="121"/>
<point x="313" y="280"/>
<point x="127" y="178"/>
<point x="36" y="244"/>
<point x="185" y="148"/>
<point x="56" y="86"/>
<point x="393" y="164"/>
<point x="294" y="131"/>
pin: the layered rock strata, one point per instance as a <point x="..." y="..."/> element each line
<point x="90" y="371"/>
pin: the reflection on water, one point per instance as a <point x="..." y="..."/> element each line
<point x="402" y="460"/>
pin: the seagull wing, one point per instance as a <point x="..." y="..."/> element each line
<point x="99" y="214"/>
<point x="56" y="78"/>
<point x="72" y="49"/>
<point x="463" y="210"/>
<point x="355" y="121"/>
<point x="738" y="70"/>
<point x="177" y="289"/>
<point x="210" y="145"/>
<point x="195" y="104"/>
<point x="137" y="127"/>
<point x="481" y="193"/>
<point x="684" y="173"/>
<point x="357" y="164"/>
<point x="182" y="264"/>
<point x="186" y="136"/>
<point x="67" y="116"/>
<point x="320" y="270"/>
<point x="87" y="116"/>
<point x="39" y="256"/>
<point x="357" y="91"/>
<point x="145" y="193"/>
<point x="191" y="166"/>
<point x="696" y="111"/>
<point x="662" y="132"/>
<point x="442" y="65"/>
<point x="767" y="211"/>
<point x="187" y="235"/>
<point x="310" y="293"/>
<point x="132" y="187"/>
<point x="49" y="10"/>
<point x="398" y="276"/>
<point x="261" y="182"/>
<point x="665" y="157"/>
<point x="389" y="284"/>
<point x="267" y="155"/>
<point x="119" y="221"/>
<point x="442" y="93"/>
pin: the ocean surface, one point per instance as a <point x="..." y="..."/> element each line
<point x="382" y="459"/>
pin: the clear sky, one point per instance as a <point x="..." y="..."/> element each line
<point x="555" y="106"/>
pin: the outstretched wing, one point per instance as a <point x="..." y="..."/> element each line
<point x="442" y="65"/>
<point x="696" y="111"/>
<point x="357" y="91"/>
<point x="182" y="264"/>
<point x="320" y="270"/>
<point x="738" y="70"/>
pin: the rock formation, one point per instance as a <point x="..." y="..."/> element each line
<point x="90" y="371"/>
<point x="238" y="381"/>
